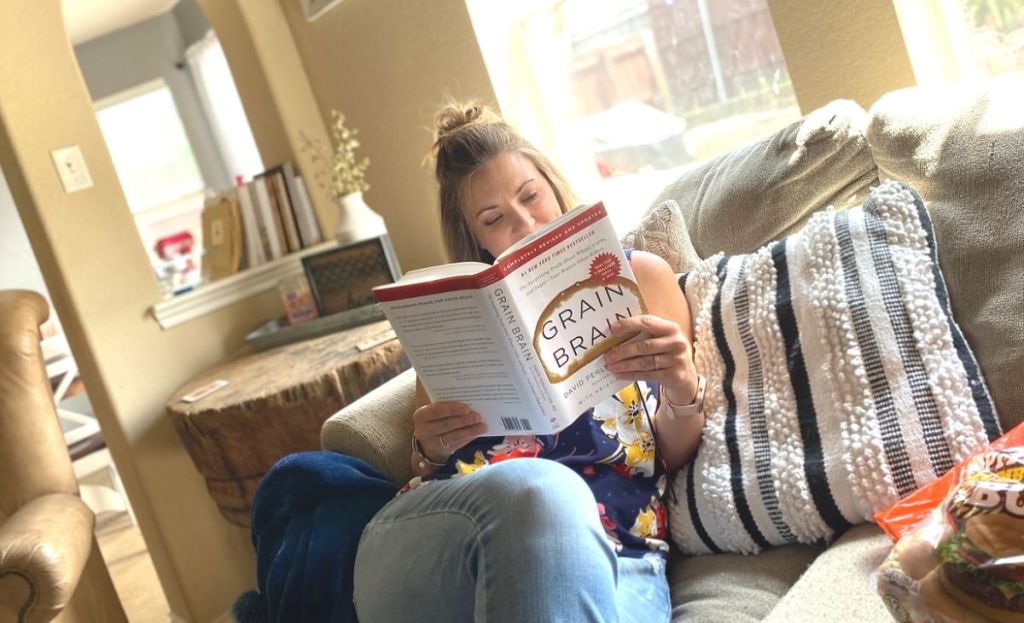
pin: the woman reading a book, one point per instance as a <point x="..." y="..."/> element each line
<point x="573" y="529"/>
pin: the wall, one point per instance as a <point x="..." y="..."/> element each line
<point x="102" y="286"/>
<point x="389" y="65"/>
<point x="191" y="21"/>
<point x="146" y="51"/>
<point x="852" y="49"/>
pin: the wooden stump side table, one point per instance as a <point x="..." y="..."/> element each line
<point x="275" y="404"/>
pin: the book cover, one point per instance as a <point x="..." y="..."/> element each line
<point x="521" y="341"/>
<point x="270" y="224"/>
<point x="309" y="226"/>
<point x="252" y="243"/>
<point x="222" y="237"/>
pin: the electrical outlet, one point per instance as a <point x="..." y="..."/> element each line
<point x="70" y="163"/>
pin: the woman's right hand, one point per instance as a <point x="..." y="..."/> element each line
<point x="442" y="427"/>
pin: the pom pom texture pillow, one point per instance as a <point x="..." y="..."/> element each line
<point x="838" y="381"/>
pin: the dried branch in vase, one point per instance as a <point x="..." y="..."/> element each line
<point x="338" y="172"/>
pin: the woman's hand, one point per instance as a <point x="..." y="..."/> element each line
<point x="441" y="428"/>
<point x="661" y="354"/>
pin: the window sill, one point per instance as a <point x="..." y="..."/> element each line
<point x="210" y="297"/>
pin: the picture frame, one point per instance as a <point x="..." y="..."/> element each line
<point x="343" y="278"/>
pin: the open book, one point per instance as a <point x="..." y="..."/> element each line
<point x="521" y="341"/>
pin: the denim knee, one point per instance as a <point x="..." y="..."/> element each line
<point x="544" y="492"/>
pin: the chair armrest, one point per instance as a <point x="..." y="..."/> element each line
<point x="377" y="427"/>
<point x="43" y="548"/>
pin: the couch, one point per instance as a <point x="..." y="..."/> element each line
<point x="962" y="149"/>
<point x="50" y="564"/>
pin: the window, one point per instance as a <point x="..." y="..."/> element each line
<point x="159" y="176"/>
<point x="996" y="34"/>
<point x="625" y="93"/>
<point x="952" y="40"/>
<point x="147" y="141"/>
<point x="223" y="106"/>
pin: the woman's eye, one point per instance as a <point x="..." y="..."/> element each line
<point x="492" y="221"/>
<point x="530" y="197"/>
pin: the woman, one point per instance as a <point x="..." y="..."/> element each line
<point x="574" y="531"/>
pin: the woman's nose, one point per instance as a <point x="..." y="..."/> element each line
<point x="523" y="219"/>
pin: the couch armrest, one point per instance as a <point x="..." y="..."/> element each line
<point x="377" y="427"/>
<point x="839" y="586"/>
<point x="44" y="546"/>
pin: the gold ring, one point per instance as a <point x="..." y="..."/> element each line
<point x="656" y="366"/>
<point x="441" y="439"/>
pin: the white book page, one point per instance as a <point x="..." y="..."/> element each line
<point x="456" y="344"/>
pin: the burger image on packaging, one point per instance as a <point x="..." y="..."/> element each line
<point x="965" y="563"/>
<point x="983" y="566"/>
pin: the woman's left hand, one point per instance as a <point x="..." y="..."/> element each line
<point x="662" y="354"/>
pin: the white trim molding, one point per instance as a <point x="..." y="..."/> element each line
<point x="213" y="296"/>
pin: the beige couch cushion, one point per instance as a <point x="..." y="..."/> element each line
<point x="734" y="587"/>
<point x="962" y="149"/>
<point x="765" y="191"/>
<point x="838" y="587"/>
<point x="663" y="233"/>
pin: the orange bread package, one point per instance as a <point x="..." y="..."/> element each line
<point x="959" y="552"/>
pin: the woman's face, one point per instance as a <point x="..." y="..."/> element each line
<point x="507" y="199"/>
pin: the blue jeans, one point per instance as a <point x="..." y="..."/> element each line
<point x="517" y="541"/>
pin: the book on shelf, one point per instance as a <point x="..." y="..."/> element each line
<point x="222" y="237"/>
<point x="276" y="186"/>
<point x="253" y="243"/>
<point x="269" y="223"/>
<point x="309" y="226"/>
<point x="521" y="340"/>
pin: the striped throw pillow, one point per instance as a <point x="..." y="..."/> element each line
<point x="838" y="381"/>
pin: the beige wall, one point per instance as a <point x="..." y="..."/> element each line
<point x="102" y="286"/>
<point x="274" y="89"/>
<point x="850" y="49"/>
<point x="389" y="65"/>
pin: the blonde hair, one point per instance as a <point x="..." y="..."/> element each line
<point x="466" y="138"/>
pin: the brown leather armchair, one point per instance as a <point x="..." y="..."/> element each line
<point x="50" y="564"/>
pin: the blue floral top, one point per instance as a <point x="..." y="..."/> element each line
<point x="612" y="448"/>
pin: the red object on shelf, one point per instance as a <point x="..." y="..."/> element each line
<point x="170" y="247"/>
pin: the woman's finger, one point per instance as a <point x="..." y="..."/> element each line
<point x="647" y="363"/>
<point x="669" y="345"/>
<point x="440" y="446"/>
<point x="441" y="410"/>
<point x="447" y="424"/>
<point x="654" y="325"/>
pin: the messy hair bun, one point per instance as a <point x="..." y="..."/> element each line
<point x="467" y="137"/>
<point x="455" y="116"/>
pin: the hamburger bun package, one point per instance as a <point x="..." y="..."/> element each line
<point x="959" y="542"/>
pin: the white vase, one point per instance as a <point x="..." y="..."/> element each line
<point x="356" y="221"/>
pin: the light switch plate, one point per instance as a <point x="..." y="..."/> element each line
<point x="313" y="9"/>
<point x="70" y="163"/>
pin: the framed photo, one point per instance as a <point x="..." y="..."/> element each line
<point x="343" y="278"/>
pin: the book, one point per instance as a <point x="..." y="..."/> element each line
<point x="222" y="237"/>
<point x="309" y="226"/>
<point x="252" y="243"/>
<point x="277" y="187"/>
<point x="269" y="223"/>
<point x="521" y="340"/>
